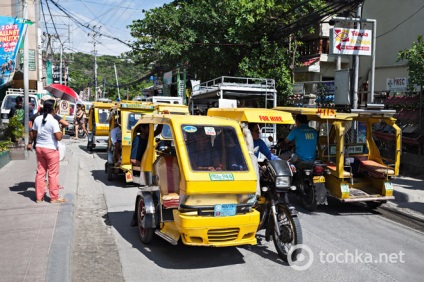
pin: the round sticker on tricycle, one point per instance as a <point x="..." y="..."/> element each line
<point x="190" y="129"/>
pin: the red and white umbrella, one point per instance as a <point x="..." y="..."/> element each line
<point x="63" y="92"/>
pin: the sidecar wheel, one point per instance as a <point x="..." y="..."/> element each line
<point x="308" y="198"/>
<point x="290" y="234"/>
<point x="146" y="234"/>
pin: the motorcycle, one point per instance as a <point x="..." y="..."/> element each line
<point x="278" y="217"/>
<point x="310" y="184"/>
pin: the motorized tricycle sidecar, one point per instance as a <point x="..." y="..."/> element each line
<point x="347" y="146"/>
<point x="197" y="183"/>
<point x="125" y="114"/>
<point x="98" y="125"/>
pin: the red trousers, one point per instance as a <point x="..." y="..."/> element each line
<point x="47" y="160"/>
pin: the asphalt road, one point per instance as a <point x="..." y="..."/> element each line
<point x="343" y="242"/>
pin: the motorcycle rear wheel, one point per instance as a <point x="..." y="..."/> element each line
<point x="290" y="234"/>
<point x="308" y="197"/>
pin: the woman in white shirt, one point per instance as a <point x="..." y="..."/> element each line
<point x="46" y="131"/>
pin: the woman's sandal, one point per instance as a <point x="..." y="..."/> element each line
<point x="58" y="201"/>
<point x="39" y="201"/>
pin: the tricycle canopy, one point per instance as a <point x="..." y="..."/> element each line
<point x="253" y="115"/>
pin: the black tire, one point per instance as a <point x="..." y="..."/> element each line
<point x="110" y="172"/>
<point x="146" y="234"/>
<point x="291" y="234"/>
<point x="308" y="198"/>
<point x="374" y="204"/>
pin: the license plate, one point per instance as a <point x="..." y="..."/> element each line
<point x="319" y="179"/>
<point x="225" y="210"/>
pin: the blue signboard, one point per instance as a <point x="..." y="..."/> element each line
<point x="11" y="35"/>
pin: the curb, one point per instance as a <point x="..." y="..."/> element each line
<point x="59" y="266"/>
<point x="411" y="214"/>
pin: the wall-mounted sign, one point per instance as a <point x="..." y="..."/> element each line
<point x="399" y="84"/>
<point x="348" y="41"/>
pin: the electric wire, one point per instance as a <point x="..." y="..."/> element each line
<point x="402" y="22"/>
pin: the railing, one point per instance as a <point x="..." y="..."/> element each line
<point x="315" y="46"/>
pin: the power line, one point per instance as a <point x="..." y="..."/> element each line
<point x="51" y="16"/>
<point x="399" y="24"/>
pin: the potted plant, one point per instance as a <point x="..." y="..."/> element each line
<point x="14" y="132"/>
<point x="4" y="152"/>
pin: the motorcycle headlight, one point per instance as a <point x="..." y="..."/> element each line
<point x="282" y="181"/>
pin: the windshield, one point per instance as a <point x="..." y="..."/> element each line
<point x="213" y="148"/>
<point x="103" y="115"/>
<point x="10" y="102"/>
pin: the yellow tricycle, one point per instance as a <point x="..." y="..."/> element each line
<point x="122" y="119"/>
<point x="349" y="161"/>
<point x="189" y="188"/>
<point x="98" y="125"/>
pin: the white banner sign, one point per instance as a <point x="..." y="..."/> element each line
<point x="348" y="41"/>
<point x="399" y="84"/>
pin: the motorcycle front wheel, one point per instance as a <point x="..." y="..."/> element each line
<point x="290" y="233"/>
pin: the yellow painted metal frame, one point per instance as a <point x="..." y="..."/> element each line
<point x="253" y="115"/>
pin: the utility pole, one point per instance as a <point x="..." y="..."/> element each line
<point x="95" y="34"/>
<point x="26" y="74"/>
<point x="117" y="83"/>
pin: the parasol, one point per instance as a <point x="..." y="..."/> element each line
<point x="63" y="92"/>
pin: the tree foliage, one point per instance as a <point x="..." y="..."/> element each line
<point x="81" y="74"/>
<point x="415" y="58"/>
<point x="213" y="38"/>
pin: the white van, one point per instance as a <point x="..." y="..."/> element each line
<point x="10" y="100"/>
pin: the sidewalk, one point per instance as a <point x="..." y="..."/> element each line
<point x="409" y="197"/>
<point x="36" y="239"/>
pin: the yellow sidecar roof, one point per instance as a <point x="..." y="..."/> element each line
<point x="255" y="115"/>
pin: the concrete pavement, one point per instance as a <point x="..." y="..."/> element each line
<point x="36" y="240"/>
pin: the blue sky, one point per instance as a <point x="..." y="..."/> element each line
<point x="111" y="15"/>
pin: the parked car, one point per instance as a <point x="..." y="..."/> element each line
<point x="9" y="102"/>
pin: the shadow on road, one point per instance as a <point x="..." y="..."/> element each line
<point x="181" y="256"/>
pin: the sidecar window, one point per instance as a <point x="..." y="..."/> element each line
<point x="213" y="148"/>
<point x="132" y="120"/>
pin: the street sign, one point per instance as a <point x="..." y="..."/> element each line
<point x="64" y="108"/>
<point x="349" y="41"/>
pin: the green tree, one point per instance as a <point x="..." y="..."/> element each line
<point x="130" y="74"/>
<point x="215" y="38"/>
<point x="415" y="58"/>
